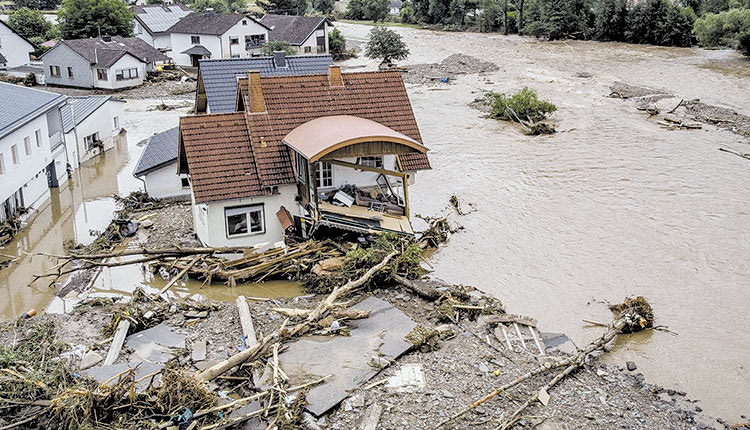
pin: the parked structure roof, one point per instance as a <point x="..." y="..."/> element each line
<point x="160" y="150"/>
<point x="197" y="50"/>
<point x="217" y="79"/>
<point x="82" y="107"/>
<point x="208" y="23"/>
<point x="242" y="154"/>
<point x="158" y="18"/>
<point x="2" y="58"/>
<point x="104" y="52"/>
<point x="291" y="28"/>
<point x="23" y="104"/>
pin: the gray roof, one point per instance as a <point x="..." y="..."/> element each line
<point x="219" y="77"/>
<point x="160" y="150"/>
<point x="2" y="58"/>
<point x="197" y="50"/>
<point x="82" y="107"/>
<point x="102" y="53"/>
<point x="291" y="28"/>
<point x="208" y="23"/>
<point x="157" y="18"/>
<point x="27" y="68"/>
<point x="22" y="104"/>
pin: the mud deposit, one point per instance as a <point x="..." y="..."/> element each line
<point x="611" y="205"/>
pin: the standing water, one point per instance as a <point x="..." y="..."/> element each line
<point x="610" y="206"/>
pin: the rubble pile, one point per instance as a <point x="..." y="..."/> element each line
<point x="447" y="70"/>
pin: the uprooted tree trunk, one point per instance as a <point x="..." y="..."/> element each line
<point x="633" y="315"/>
<point x="281" y="333"/>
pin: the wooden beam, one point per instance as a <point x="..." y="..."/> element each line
<point x="366" y="168"/>
<point x="117" y="341"/>
<point x="180" y="275"/>
<point x="246" y="321"/>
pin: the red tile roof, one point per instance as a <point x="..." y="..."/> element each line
<point x="289" y="102"/>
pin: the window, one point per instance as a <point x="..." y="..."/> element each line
<point x="301" y="163"/>
<point x="116" y="122"/>
<point x="244" y="220"/>
<point x="254" y="41"/>
<point x="2" y="164"/>
<point x="54" y="71"/>
<point x="234" y="40"/>
<point x="89" y="141"/>
<point x="27" y="145"/>
<point x="124" y="74"/>
<point x="195" y="40"/>
<point x="244" y="22"/>
<point x="185" y="182"/>
<point x="38" y="136"/>
<point x="14" y="154"/>
<point x="371" y="161"/>
<point x="308" y="49"/>
<point x="101" y="74"/>
<point x="70" y="72"/>
<point x="325" y="175"/>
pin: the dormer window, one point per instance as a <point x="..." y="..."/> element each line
<point x="244" y="22"/>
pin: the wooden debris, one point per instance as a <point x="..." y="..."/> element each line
<point x="117" y="340"/>
<point x="180" y="274"/>
<point x="246" y="321"/>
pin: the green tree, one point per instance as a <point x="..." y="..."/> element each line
<point x="723" y="29"/>
<point x="88" y="18"/>
<point x="659" y="22"/>
<point x="287" y="7"/>
<point x="611" y="20"/>
<point x="218" y="6"/>
<point x="714" y="6"/>
<point x="37" y="4"/>
<point x="324" y="6"/>
<point x="336" y="43"/>
<point x="374" y="10"/>
<point x="562" y="19"/>
<point x="744" y="43"/>
<point x="269" y="48"/>
<point x="386" y="44"/>
<point x="29" y="23"/>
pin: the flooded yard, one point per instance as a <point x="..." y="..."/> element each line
<point x="611" y="205"/>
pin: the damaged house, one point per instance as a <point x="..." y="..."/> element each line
<point x="334" y="150"/>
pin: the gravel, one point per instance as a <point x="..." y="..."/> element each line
<point x="456" y="64"/>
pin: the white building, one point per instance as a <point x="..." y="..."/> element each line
<point x="307" y="34"/>
<point x="15" y="50"/>
<point x="157" y="168"/>
<point x="108" y="62"/>
<point x="32" y="148"/>
<point x="212" y="35"/>
<point x="151" y="23"/>
<point x="91" y="125"/>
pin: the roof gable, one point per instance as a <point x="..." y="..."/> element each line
<point x="291" y="28"/>
<point x="290" y="101"/>
<point x="159" y="18"/>
<point x="105" y="53"/>
<point x="82" y="107"/>
<point x="22" y="104"/>
<point x="161" y="149"/>
<point x="17" y="33"/>
<point x="209" y="23"/>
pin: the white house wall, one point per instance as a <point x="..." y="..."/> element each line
<point x="126" y="62"/>
<point x="312" y="41"/>
<point x="100" y="121"/>
<point x="240" y="31"/>
<point x="14" y="48"/>
<point x="210" y="222"/>
<point x="181" y="42"/>
<point x="29" y="174"/>
<point x="62" y="56"/>
<point x="165" y="183"/>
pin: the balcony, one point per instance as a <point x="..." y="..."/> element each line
<point x="55" y="140"/>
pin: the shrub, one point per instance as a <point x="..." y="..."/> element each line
<point x="728" y="28"/>
<point x="269" y="48"/>
<point x="744" y="43"/>
<point x="336" y="43"/>
<point x="386" y="44"/>
<point x="525" y="104"/>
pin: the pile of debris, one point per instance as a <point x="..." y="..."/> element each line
<point x="9" y="228"/>
<point x="446" y="70"/>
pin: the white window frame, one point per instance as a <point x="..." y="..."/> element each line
<point x="102" y="74"/>
<point x="376" y="161"/>
<point x="2" y="164"/>
<point x="27" y="145"/>
<point x="14" y="154"/>
<point x="301" y="163"/>
<point x="308" y="49"/>
<point x="38" y="137"/>
<point x="245" y="210"/>
<point x="89" y="140"/>
<point x="126" y="74"/>
<point x="70" y="72"/>
<point x="184" y="180"/>
<point x="234" y="40"/>
<point x="116" y="122"/>
<point x="324" y="178"/>
<point x="54" y="71"/>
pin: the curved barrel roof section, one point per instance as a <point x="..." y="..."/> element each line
<point x="321" y="136"/>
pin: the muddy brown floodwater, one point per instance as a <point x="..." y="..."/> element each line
<point x="611" y="206"/>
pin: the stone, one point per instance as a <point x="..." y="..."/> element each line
<point x="631" y="366"/>
<point x="155" y="344"/>
<point x="90" y="359"/>
<point x="357" y="401"/>
<point x="409" y="377"/>
<point x="447" y="394"/>
<point x="147" y="223"/>
<point x="198" y="352"/>
<point x="484" y="368"/>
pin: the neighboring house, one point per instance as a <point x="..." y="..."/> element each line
<point x="306" y="34"/>
<point x="395" y="7"/>
<point x="25" y="70"/>
<point x="207" y="35"/>
<point x="91" y="124"/>
<point x="157" y="167"/>
<point x="216" y="90"/>
<point x="151" y="23"/>
<point x="107" y="62"/>
<point x="15" y="50"/>
<point x="32" y="148"/>
<point x="292" y="147"/>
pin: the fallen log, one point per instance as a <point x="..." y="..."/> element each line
<point x="246" y="321"/>
<point x="180" y="274"/>
<point x="282" y="334"/>
<point x="117" y="340"/>
<point x="422" y="289"/>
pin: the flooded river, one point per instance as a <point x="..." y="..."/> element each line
<point x="613" y="205"/>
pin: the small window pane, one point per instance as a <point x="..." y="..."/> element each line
<point x="237" y="224"/>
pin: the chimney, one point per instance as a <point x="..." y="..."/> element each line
<point x="279" y="59"/>
<point x="255" y="93"/>
<point x="334" y="76"/>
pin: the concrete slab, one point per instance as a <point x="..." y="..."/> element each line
<point x="155" y="344"/>
<point x="410" y="377"/>
<point x="199" y="351"/>
<point x="103" y="374"/>
<point x="353" y="360"/>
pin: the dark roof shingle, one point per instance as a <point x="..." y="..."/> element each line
<point x="157" y="18"/>
<point x="290" y="101"/>
<point x="208" y="23"/>
<point x="160" y="150"/>
<point x="105" y="53"/>
<point x="219" y="77"/>
<point x="291" y="28"/>
<point x="21" y="104"/>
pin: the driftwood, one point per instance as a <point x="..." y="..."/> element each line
<point x="282" y="333"/>
<point x="117" y="341"/>
<point x="420" y="288"/>
<point x="180" y="274"/>
<point x="729" y="151"/>
<point x="246" y="321"/>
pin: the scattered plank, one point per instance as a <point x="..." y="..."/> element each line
<point x="117" y="340"/>
<point x="246" y="321"/>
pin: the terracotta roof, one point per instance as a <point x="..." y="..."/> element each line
<point x="290" y="101"/>
<point x="221" y="160"/>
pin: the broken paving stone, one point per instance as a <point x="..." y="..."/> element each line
<point x="103" y="374"/>
<point x="447" y="394"/>
<point x="631" y="366"/>
<point x="372" y="417"/>
<point x="558" y="342"/>
<point x="409" y="377"/>
<point x="155" y="344"/>
<point x="196" y="314"/>
<point x="198" y="352"/>
<point x="90" y="359"/>
<point x="484" y="368"/>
